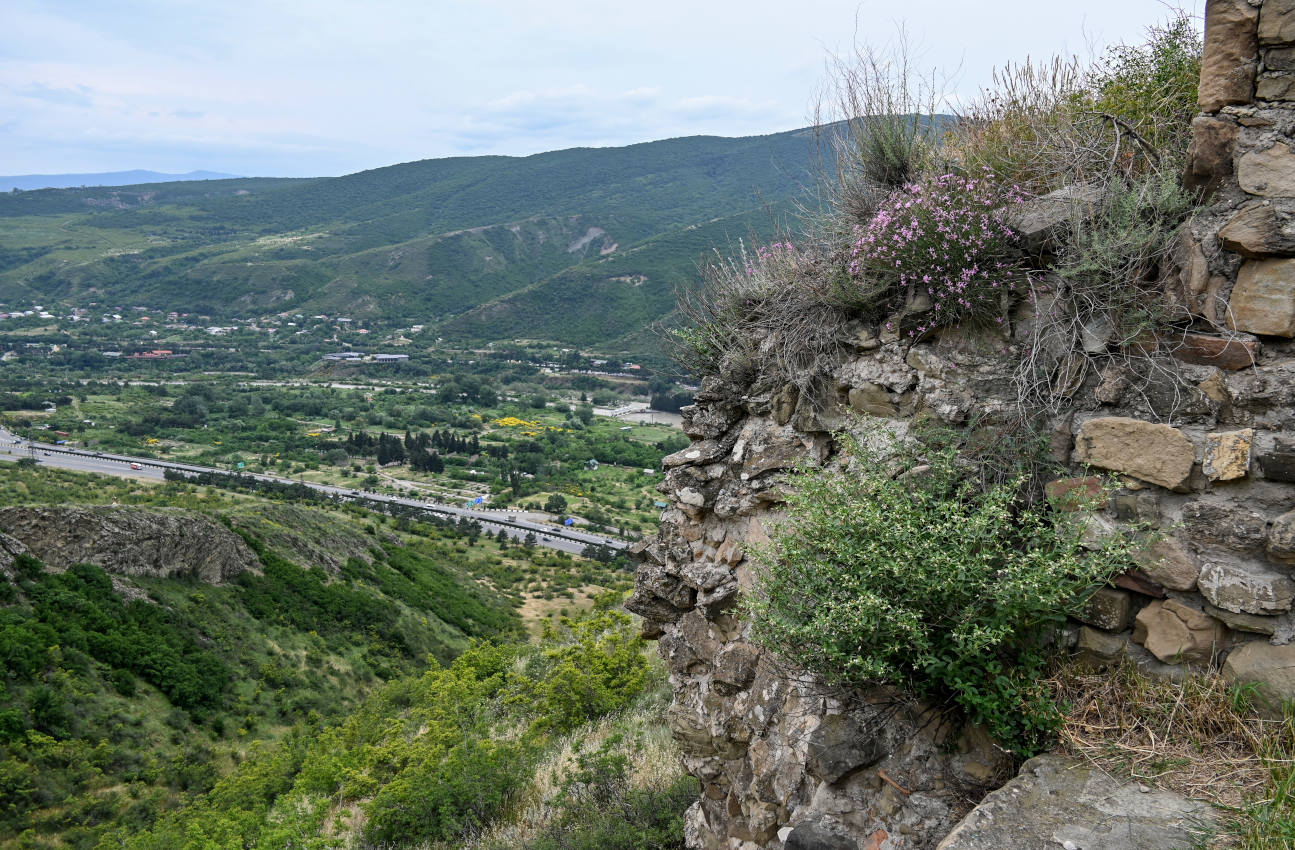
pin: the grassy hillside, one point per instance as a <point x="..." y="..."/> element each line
<point x="504" y="744"/>
<point x="608" y="301"/>
<point x="123" y="695"/>
<point x="419" y="242"/>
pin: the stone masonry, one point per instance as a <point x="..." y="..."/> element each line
<point x="1208" y="457"/>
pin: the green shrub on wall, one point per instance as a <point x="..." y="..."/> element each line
<point x="927" y="581"/>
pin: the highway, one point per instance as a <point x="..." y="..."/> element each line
<point x="513" y="523"/>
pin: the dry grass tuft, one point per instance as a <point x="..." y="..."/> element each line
<point x="654" y="763"/>
<point x="1199" y="737"/>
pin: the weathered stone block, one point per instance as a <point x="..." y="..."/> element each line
<point x="1041" y="221"/>
<point x="1269" y="173"/>
<point x="1246" y="589"/>
<point x="1227" y="454"/>
<point x="1064" y="803"/>
<point x="1231" y="54"/>
<point x="1158" y="454"/>
<point x="1167" y="562"/>
<point x="1072" y="494"/>
<point x="1210" y="155"/>
<point x="1175" y="633"/>
<point x="1106" y="609"/>
<point x="735" y="665"/>
<point x="840" y="745"/>
<point x="1256" y="624"/>
<point x="1276" y="22"/>
<point x="708" y="421"/>
<point x="1143" y="505"/>
<point x="1263" y="301"/>
<point x="1279" y="59"/>
<point x="1139" y="582"/>
<point x="815" y="834"/>
<point x="872" y="399"/>
<point x="1281" y="538"/>
<point x="1278" y="463"/>
<point x="1211" y="522"/>
<point x="1205" y="350"/>
<point x="1256" y="232"/>
<point x="1097" y="645"/>
<point x="1275" y="87"/>
<point x="763" y="450"/>
<point x="1270" y="668"/>
<point x="704" y="451"/>
<point x="783" y="404"/>
<point x="1216" y="389"/>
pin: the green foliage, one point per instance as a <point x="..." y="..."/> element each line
<point x="926" y="581"/>
<point x="594" y="666"/>
<point x="601" y="809"/>
<point x="111" y="711"/>
<point x="78" y="611"/>
<point x="427" y="758"/>
<point x="442" y="799"/>
<point x="1152" y="85"/>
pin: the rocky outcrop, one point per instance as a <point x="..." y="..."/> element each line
<point x="1063" y="803"/>
<point x="129" y="541"/>
<point x="10" y="548"/>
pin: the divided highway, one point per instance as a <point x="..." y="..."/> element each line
<point x="13" y="448"/>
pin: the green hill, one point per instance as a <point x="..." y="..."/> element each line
<point x="123" y="692"/>
<point x="601" y="234"/>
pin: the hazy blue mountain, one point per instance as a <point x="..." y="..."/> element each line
<point x="105" y="178"/>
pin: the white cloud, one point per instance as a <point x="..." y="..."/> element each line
<point x="328" y="86"/>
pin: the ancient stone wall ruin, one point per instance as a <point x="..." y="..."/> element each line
<point x="1201" y="443"/>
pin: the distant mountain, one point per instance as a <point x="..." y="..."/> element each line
<point x="584" y="246"/>
<point x="106" y="178"/>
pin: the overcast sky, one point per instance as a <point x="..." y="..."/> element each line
<point x="320" y="87"/>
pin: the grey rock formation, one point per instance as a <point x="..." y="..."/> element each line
<point x="129" y="541"/>
<point x="1060" y="802"/>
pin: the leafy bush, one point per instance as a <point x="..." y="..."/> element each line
<point x="928" y="582"/>
<point x="443" y="798"/>
<point x="594" y="666"/>
<point x="942" y="240"/>
<point x="1153" y="85"/>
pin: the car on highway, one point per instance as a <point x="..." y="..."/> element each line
<point x="136" y="466"/>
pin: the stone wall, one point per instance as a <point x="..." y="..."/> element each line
<point x="1200" y="440"/>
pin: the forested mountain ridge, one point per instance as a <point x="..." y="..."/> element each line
<point x="418" y="242"/>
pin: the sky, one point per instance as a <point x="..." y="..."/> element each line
<point x="298" y="88"/>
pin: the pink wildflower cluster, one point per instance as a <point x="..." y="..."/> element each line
<point x="944" y="238"/>
<point x="768" y="253"/>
